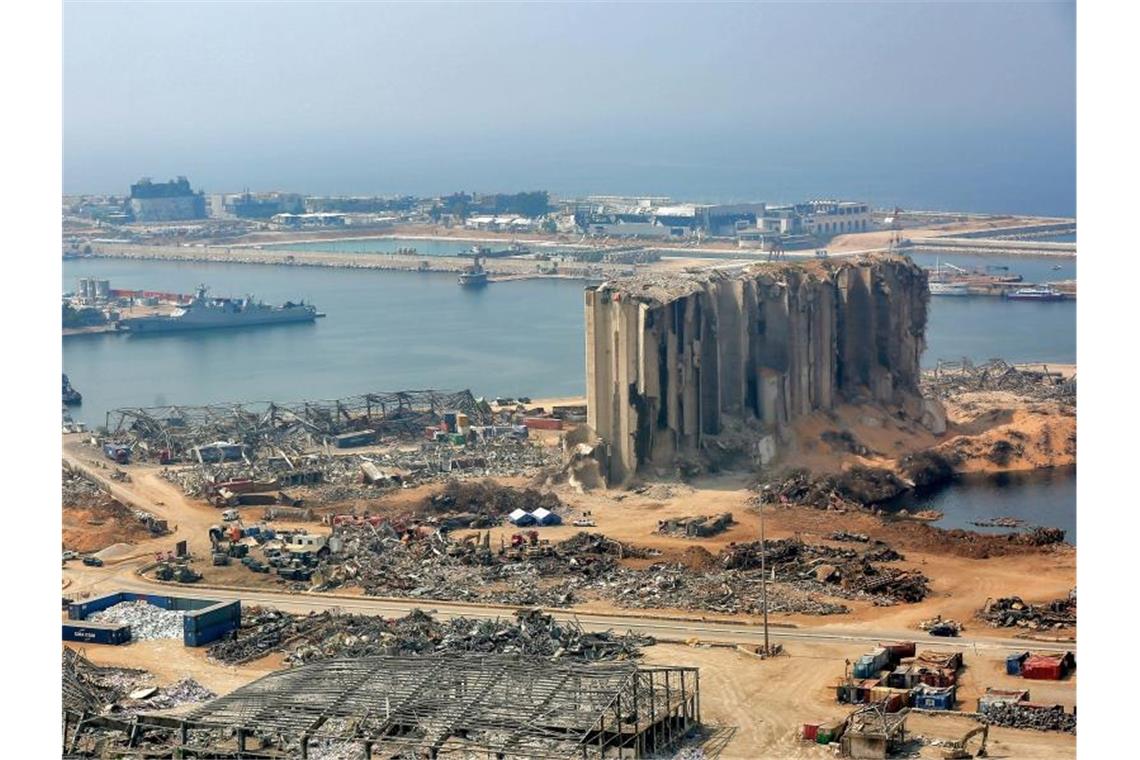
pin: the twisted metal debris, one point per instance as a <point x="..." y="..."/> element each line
<point x="290" y="427"/>
<point x="950" y="378"/>
<point x="332" y="634"/>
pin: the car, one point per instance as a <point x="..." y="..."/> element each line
<point x="69" y="554"/>
<point x="92" y="561"/>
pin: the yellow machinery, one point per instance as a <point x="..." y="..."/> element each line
<point x="958" y="750"/>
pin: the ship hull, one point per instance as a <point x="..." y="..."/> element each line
<point x="171" y="324"/>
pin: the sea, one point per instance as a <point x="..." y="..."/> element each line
<point x="392" y="330"/>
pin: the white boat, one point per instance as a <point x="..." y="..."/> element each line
<point x="949" y="289"/>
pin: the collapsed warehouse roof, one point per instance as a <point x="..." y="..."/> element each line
<point x="292" y="426"/>
<point x="441" y="706"/>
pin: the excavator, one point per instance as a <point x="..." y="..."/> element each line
<point x="958" y="751"/>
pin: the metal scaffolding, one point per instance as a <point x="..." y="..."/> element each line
<point x="292" y="426"/>
<point x="450" y="706"/>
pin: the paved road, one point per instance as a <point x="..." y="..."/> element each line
<point x="123" y="578"/>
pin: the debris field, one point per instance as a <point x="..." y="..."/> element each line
<point x="325" y="635"/>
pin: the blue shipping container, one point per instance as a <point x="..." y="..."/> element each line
<point x="97" y="633"/>
<point x="1013" y="663"/>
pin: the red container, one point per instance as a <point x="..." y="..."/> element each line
<point x="894" y="703"/>
<point x="899" y="649"/>
<point x="543" y="423"/>
<point x="811" y="731"/>
<point x="1040" y="668"/>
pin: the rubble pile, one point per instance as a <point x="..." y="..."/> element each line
<point x="489" y="499"/>
<point x="1038" y="536"/>
<point x="78" y="488"/>
<point x="674" y="586"/>
<point x="953" y="378"/>
<point x="89" y="688"/>
<point x="854" y="488"/>
<point x="415" y="564"/>
<point x="845" y="573"/>
<point x="95" y="689"/>
<point x="146" y="620"/>
<point x="319" y="636"/>
<point x="700" y="526"/>
<point x="1011" y="611"/>
<point x="1036" y="717"/>
<point x="327" y="478"/>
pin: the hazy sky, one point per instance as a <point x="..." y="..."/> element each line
<point x="953" y="105"/>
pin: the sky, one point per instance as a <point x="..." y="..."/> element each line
<point x="964" y="106"/>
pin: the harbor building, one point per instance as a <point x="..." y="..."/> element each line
<point x="166" y="201"/>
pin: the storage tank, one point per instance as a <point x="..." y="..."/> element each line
<point x="85" y="288"/>
<point x="102" y="290"/>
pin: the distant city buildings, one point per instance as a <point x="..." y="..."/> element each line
<point x="751" y="225"/>
<point x="165" y="201"/>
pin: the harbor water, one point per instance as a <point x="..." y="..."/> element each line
<point x="1040" y="497"/>
<point x="390" y="330"/>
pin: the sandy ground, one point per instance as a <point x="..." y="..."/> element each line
<point x="757" y="707"/>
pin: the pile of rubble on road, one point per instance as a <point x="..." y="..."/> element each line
<point x="325" y="635"/>
<point x="701" y="526"/>
<point x="1037" y="717"/>
<point x="950" y="379"/>
<point x="146" y="620"/>
<point x="95" y="689"/>
<point x="1011" y="611"/>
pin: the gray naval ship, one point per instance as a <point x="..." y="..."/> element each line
<point x="205" y="313"/>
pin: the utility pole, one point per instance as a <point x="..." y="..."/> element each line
<point x="764" y="577"/>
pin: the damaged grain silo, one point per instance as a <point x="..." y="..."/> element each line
<point x="675" y="365"/>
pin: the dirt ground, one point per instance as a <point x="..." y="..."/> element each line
<point x="753" y="703"/>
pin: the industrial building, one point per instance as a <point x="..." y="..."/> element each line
<point x="262" y="205"/>
<point x="446" y="706"/>
<point x="166" y="201"/>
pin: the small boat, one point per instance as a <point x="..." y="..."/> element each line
<point x="1056" y="267"/>
<point x="949" y="289"/>
<point x="474" y="276"/>
<point x="1036" y="293"/>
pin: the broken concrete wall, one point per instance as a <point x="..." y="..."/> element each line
<point x="670" y="362"/>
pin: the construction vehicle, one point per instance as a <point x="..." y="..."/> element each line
<point x="958" y="751"/>
<point x="317" y="545"/>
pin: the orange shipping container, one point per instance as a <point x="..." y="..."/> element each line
<point x="543" y="423"/>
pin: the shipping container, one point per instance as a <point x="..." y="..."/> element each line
<point x="1013" y="663"/>
<point x="543" y="423"/>
<point x="357" y="438"/>
<point x="97" y="633"/>
<point x="899" y="649"/>
<point x="1041" y="668"/>
<point x="810" y="731"/>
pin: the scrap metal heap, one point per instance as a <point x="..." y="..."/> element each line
<point x="588" y="566"/>
<point x="285" y="427"/>
<point x="325" y="635"/>
<point x="951" y="378"/>
<point x="450" y="706"/>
